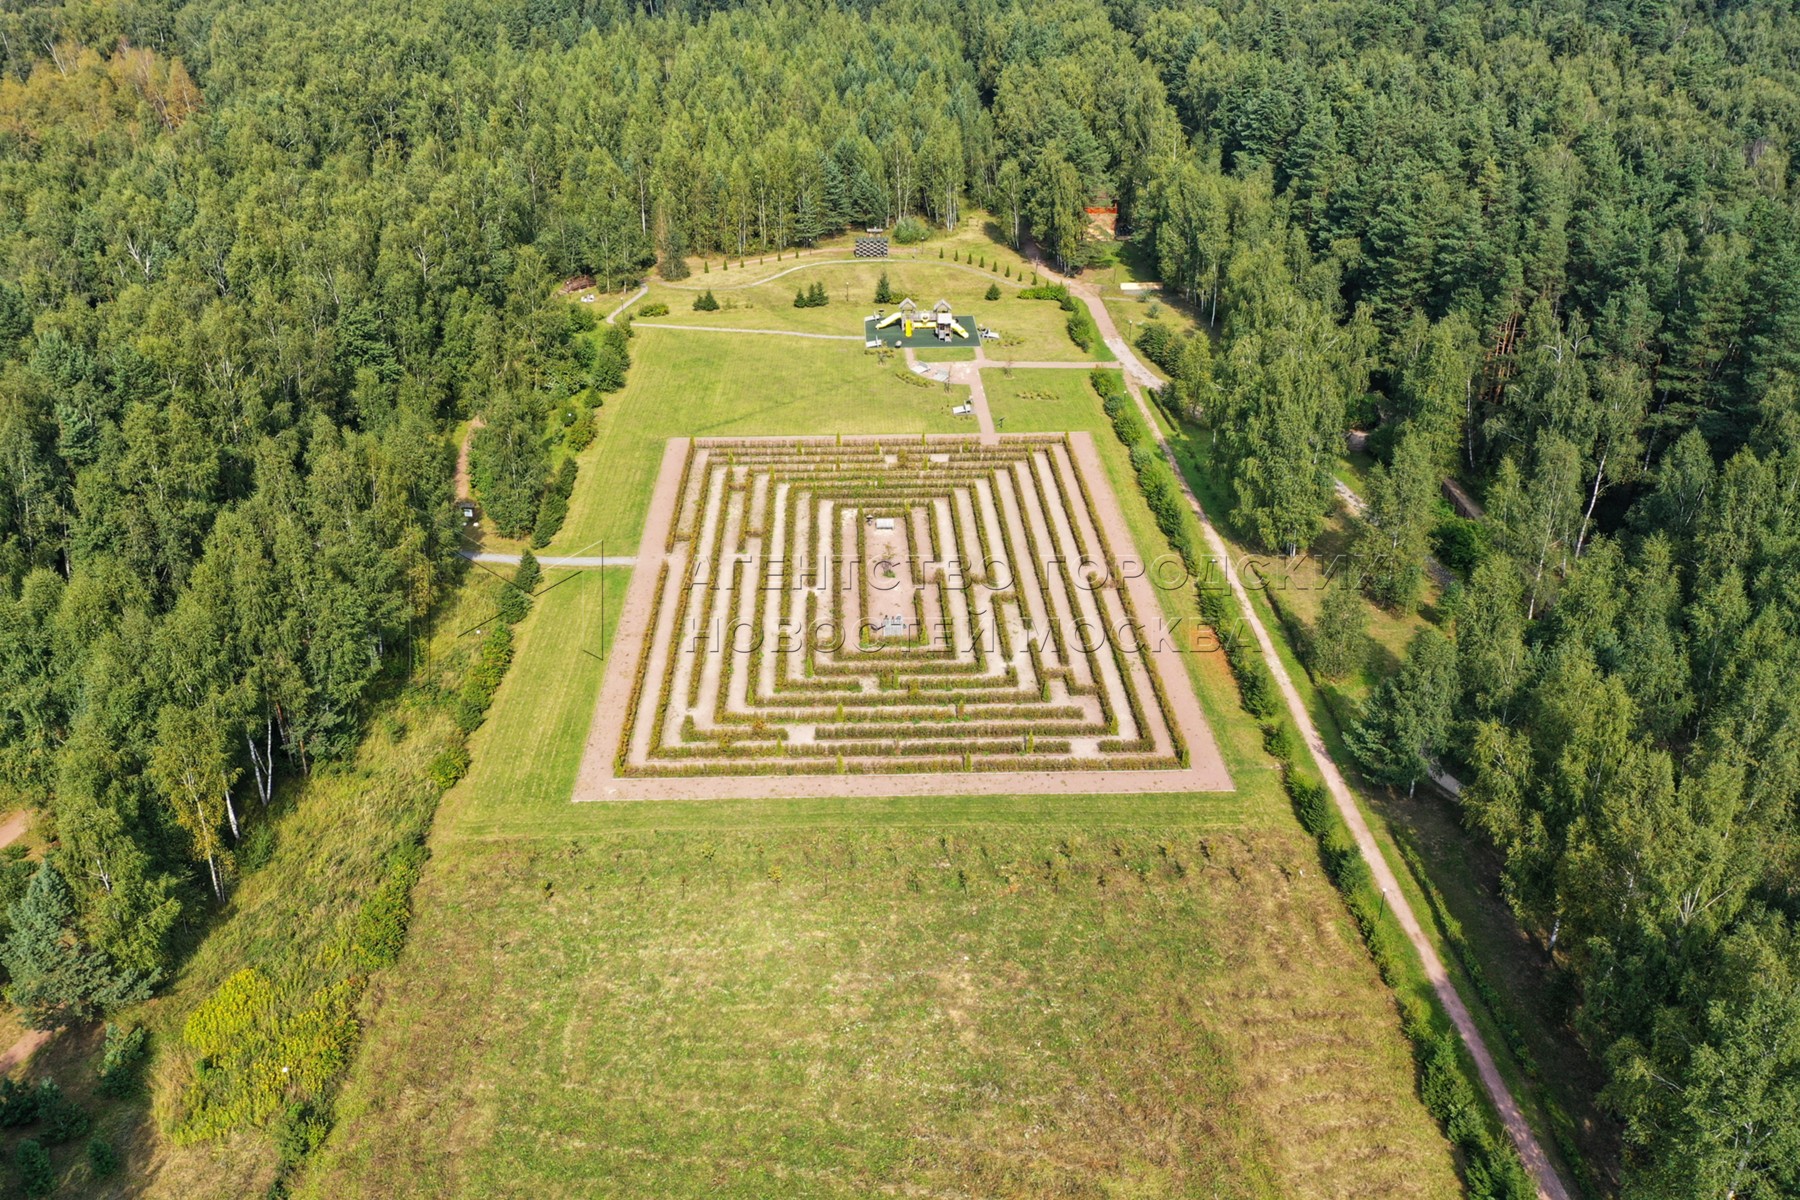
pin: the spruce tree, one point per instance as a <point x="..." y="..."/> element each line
<point x="884" y="293"/>
<point x="55" y="979"/>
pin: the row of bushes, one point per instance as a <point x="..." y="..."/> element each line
<point x="643" y="670"/>
<point x="495" y="652"/>
<point x="1155" y="478"/>
<point x="1050" y="291"/>
<point x="811" y="297"/>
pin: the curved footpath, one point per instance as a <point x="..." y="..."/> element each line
<point x="1549" y="1184"/>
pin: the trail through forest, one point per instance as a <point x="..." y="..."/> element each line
<point x="1550" y="1185"/>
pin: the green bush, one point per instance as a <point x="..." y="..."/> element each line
<point x="103" y="1160"/>
<point x="1461" y="544"/>
<point x="62" y="1119"/>
<point x="580" y="433"/>
<point x="658" y="309"/>
<point x="608" y="374"/>
<point x="298" y="1132"/>
<point x="122" y="1059"/>
<point x="706" y="302"/>
<point x="36" y="1178"/>
<point x="1161" y="345"/>
<point x="910" y="231"/>
<point x="1082" y="330"/>
<point x="382" y="921"/>
<point x="448" y="767"/>
<point x="18" y="1104"/>
<point x="1049" y="291"/>
<point x="993" y="292"/>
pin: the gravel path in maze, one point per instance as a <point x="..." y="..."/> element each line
<point x="998" y="673"/>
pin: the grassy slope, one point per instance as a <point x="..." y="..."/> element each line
<point x="977" y="996"/>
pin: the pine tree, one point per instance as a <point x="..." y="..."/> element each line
<point x="884" y="293"/>
<point x="1406" y="723"/>
<point x="706" y="302"/>
<point x="993" y="292"/>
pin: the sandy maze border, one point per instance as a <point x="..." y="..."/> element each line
<point x="1087" y="749"/>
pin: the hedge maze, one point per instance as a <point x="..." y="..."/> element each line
<point x="890" y="606"/>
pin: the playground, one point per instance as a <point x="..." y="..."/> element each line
<point x="917" y="327"/>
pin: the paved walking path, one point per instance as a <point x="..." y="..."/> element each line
<point x="567" y="560"/>
<point x="627" y="303"/>
<point x="1549" y="1184"/>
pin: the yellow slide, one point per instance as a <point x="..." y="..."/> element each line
<point x="889" y="319"/>
<point x="957" y="329"/>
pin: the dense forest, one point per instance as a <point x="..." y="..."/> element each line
<point x="257" y="260"/>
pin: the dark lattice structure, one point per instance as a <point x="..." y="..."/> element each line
<point x="871" y="247"/>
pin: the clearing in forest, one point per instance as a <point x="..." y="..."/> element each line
<point x="885" y="616"/>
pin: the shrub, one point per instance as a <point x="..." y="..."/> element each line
<point x="448" y="767"/>
<point x="706" y="302"/>
<point x="33" y="1163"/>
<point x="580" y="435"/>
<point x="122" y="1060"/>
<point x="1082" y="330"/>
<point x="63" y="1120"/>
<point x="1160" y="345"/>
<point x="103" y="1160"/>
<point x="608" y="374"/>
<point x="382" y="921"/>
<point x="298" y="1133"/>
<point x="1461" y="544"/>
<point x="993" y="292"/>
<point x="18" y="1104"/>
<point x="658" y="309"/>
<point x="1049" y="291"/>
<point x="910" y="231"/>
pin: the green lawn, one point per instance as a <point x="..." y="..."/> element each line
<point x="693" y="384"/>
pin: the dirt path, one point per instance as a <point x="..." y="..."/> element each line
<point x="20" y="1052"/>
<point x="11" y="830"/>
<point x="463" y="489"/>
<point x="1550" y="1185"/>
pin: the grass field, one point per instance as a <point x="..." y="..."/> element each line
<point x="996" y="996"/>
<point x="993" y="1010"/>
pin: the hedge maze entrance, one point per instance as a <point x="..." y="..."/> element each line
<point x="949" y="610"/>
